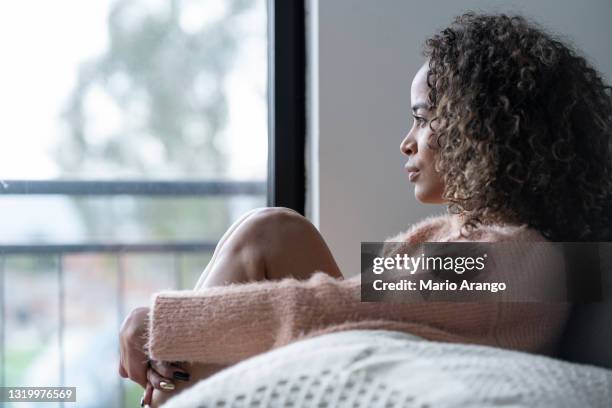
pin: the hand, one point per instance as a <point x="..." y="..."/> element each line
<point x="132" y="359"/>
<point x="161" y="376"/>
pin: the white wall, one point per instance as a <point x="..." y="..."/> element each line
<point x="363" y="55"/>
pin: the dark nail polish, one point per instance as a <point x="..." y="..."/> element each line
<point x="142" y="401"/>
<point x="179" y="375"/>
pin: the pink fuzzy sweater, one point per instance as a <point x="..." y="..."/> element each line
<point x="227" y="324"/>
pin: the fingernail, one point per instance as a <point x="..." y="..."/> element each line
<point x="142" y="401"/>
<point x="179" y="375"/>
<point x="166" y="385"/>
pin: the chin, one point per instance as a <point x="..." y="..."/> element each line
<point x="427" y="196"/>
<point x="424" y="200"/>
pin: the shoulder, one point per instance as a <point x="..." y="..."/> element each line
<point x="432" y="228"/>
<point x="447" y="228"/>
<point x="499" y="232"/>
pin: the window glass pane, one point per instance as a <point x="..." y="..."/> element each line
<point x="143" y="89"/>
<point x="123" y="218"/>
<point x="136" y="91"/>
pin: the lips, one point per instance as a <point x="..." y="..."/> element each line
<point x="413" y="172"/>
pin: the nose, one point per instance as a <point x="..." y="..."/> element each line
<point x="408" y="145"/>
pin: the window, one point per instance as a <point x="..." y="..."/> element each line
<point x="135" y="132"/>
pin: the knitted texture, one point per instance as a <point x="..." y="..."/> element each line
<point x="382" y="369"/>
<point x="224" y="325"/>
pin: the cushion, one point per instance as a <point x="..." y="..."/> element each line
<point x="365" y="368"/>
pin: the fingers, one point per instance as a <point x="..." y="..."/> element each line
<point x="159" y="382"/>
<point x="137" y="371"/>
<point x="122" y="371"/>
<point x="170" y="370"/>
<point x="147" y="397"/>
<point x="133" y="360"/>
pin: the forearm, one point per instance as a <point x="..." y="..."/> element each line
<point x="227" y="324"/>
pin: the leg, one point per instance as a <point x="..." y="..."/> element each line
<point x="220" y="244"/>
<point x="269" y="243"/>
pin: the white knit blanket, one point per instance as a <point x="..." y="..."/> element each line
<point x="390" y="369"/>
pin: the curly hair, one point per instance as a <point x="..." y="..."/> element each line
<point x="523" y="126"/>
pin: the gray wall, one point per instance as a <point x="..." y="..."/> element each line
<point x="363" y="55"/>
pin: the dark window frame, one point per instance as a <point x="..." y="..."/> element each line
<point x="286" y="103"/>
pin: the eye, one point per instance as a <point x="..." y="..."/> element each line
<point x="420" y="121"/>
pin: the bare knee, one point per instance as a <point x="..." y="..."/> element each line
<point x="270" y="219"/>
<point x="278" y="214"/>
<point x="290" y="245"/>
<point x="278" y="217"/>
<point x="274" y="243"/>
<point x="243" y="256"/>
<point x="268" y="229"/>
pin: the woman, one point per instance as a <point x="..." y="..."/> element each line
<point x="512" y="130"/>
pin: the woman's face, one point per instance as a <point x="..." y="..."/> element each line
<point x="428" y="183"/>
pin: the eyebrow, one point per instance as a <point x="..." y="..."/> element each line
<point x="418" y="106"/>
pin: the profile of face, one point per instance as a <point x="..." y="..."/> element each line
<point x="429" y="184"/>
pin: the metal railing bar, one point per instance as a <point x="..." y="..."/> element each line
<point x="2" y="325"/>
<point x="163" y="247"/>
<point x="120" y="311"/>
<point x="146" y="188"/>
<point x="178" y="271"/>
<point x="61" y="299"/>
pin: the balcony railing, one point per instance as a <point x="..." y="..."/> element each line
<point x="118" y="250"/>
<point x="147" y="188"/>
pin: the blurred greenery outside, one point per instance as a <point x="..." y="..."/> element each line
<point x="168" y="84"/>
<point x="166" y="89"/>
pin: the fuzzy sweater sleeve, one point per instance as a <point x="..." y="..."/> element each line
<point x="227" y="324"/>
